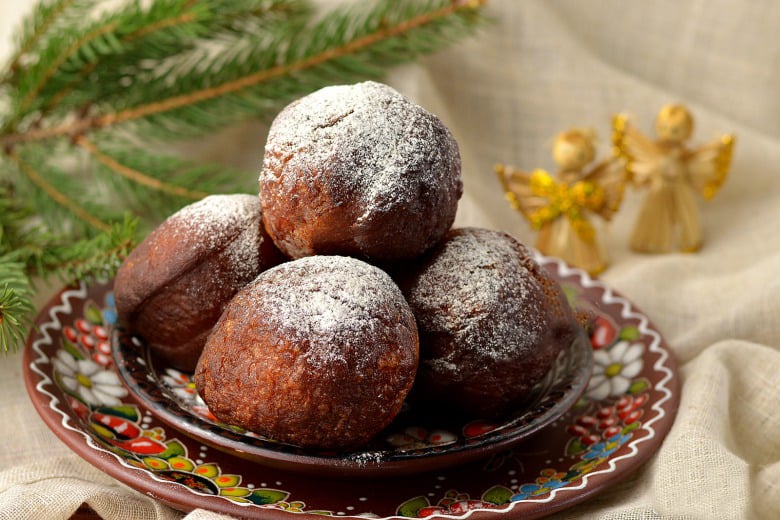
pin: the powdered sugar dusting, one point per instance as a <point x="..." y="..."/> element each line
<point x="367" y="146"/>
<point x="211" y="223"/>
<point x="334" y="305"/>
<point x="364" y="458"/>
<point x="476" y="291"/>
<point x="215" y="216"/>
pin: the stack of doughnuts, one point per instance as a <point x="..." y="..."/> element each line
<point x="312" y="312"/>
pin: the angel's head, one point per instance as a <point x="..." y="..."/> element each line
<point x="674" y="123"/>
<point x="574" y="148"/>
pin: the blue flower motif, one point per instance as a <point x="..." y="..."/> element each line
<point x="547" y="481"/>
<point x="109" y="313"/>
<point x="551" y="479"/>
<point x="606" y="448"/>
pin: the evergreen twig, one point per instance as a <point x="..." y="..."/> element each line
<point x="87" y="95"/>
<point x="96" y="259"/>
<point x="15" y="304"/>
<point x="46" y="16"/>
<point x="379" y="30"/>
<point x="135" y="175"/>
<point x="56" y="195"/>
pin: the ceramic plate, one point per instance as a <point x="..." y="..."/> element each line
<point x="618" y="423"/>
<point x="417" y="441"/>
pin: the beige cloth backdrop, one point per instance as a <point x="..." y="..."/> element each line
<point x="542" y="67"/>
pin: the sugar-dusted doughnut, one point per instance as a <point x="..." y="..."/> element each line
<point x="491" y="321"/>
<point x="359" y="170"/>
<point x="318" y="352"/>
<point x="172" y="288"/>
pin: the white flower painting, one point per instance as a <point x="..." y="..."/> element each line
<point x="88" y="380"/>
<point x="614" y="369"/>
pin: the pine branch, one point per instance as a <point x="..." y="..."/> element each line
<point x="135" y="175"/>
<point x="13" y="214"/>
<point x="28" y="242"/>
<point x="28" y="249"/>
<point x="419" y="28"/>
<point x="76" y="67"/>
<point x="66" y="56"/>
<point x="96" y="259"/>
<point x="15" y="304"/>
<point x="37" y="26"/>
<point x="55" y="193"/>
<point x="230" y="22"/>
<point x="152" y="184"/>
<point x="258" y="16"/>
<point x="44" y="18"/>
<point x="89" y="95"/>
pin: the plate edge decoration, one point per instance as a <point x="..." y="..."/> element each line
<point x="664" y="364"/>
<point x="64" y="307"/>
<point x="660" y="365"/>
<point x="64" y="303"/>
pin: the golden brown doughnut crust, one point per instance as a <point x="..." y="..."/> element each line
<point x="491" y="321"/>
<point x="172" y="288"/>
<point x="318" y="352"/>
<point x="359" y="170"/>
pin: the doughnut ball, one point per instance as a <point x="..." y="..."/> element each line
<point x="318" y="352"/>
<point x="172" y="288"/>
<point x="359" y="170"/>
<point x="491" y="322"/>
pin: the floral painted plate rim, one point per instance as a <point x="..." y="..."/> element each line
<point x="413" y="443"/>
<point x="627" y="410"/>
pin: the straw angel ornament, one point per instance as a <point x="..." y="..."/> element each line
<point x="673" y="174"/>
<point x="559" y="207"/>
